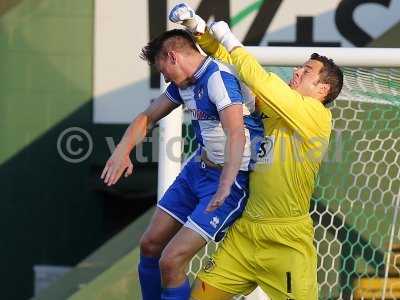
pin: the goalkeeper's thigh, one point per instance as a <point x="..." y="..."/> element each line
<point x="203" y="291"/>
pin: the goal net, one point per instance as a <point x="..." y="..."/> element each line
<point x="355" y="205"/>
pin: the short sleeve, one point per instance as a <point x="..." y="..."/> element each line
<point x="172" y="93"/>
<point x="224" y="90"/>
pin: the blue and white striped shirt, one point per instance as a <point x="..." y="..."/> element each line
<point x="216" y="87"/>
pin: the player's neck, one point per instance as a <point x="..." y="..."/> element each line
<point x="193" y="65"/>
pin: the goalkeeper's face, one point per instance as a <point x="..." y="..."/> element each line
<point x="306" y="80"/>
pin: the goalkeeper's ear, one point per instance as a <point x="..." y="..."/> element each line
<point x="323" y="90"/>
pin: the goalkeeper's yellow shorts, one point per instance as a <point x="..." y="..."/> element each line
<point x="277" y="254"/>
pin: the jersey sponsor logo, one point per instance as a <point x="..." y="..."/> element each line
<point x="209" y="266"/>
<point x="197" y="114"/>
<point x="266" y="150"/>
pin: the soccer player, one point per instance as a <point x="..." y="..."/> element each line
<point x="221" y="118"/>
<point x="271" y="245"/>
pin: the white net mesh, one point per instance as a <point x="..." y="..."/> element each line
<point x="355" y="206"/>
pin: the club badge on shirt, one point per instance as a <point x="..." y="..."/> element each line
<point x="266" y="150"/>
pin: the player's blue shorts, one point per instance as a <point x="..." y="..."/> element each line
<point x="188" y="196"/>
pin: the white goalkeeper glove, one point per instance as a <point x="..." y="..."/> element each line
<point x="184" y="14"/>
<point x="221" y="32"/>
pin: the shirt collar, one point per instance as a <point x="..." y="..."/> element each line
<point x="200" y="71"/>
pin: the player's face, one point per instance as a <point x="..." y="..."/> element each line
<point x="305" y="79"/>
<point x="169" y="67"/>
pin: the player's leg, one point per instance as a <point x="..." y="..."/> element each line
<point x="200" y="227"/>
<point x="161" y="229"/>
<point x="172" y="211"/>
<point x="292" y="280"/>
<point x="173" y="263"/>
<point x="203" y="291"/>
<point x="288" y="265"/>
<point x="295" y="279"/>
<point x="230" y="269"/>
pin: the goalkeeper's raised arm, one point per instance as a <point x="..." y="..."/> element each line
<point x="318" y="79"/>
<point x="185" y="15"/>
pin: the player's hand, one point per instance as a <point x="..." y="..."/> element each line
<point x="185" y="15"/>
<point x="219" y="198"/>
<point x="118" y="164"/>
<point x="222" y="33"/>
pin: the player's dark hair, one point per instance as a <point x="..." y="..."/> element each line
<point x="175" y="39"/>
<point x="330" y="74"/>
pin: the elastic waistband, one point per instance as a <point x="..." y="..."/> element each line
<point x="277" y="221"/>
<point x="206" y="162"/>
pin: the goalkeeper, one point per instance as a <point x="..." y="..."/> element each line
<point x="271" y="245"/>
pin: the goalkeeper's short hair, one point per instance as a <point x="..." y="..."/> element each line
<point x="175" y="39"/>
<point x="330" y="74"/>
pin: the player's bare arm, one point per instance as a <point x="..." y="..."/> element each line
<point x="232" y="122"/>
<point x="119" y="162"/>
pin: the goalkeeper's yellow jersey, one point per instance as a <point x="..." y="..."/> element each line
<point x="296" y="130"/>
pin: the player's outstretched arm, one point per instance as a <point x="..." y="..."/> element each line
<point x="185" y="15"/>
<point x="232" y="121"/>
<point x="119" y="162"/>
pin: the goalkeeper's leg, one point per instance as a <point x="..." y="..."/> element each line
<point x="203" y="291"/>
<point x="229" y="271"/>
